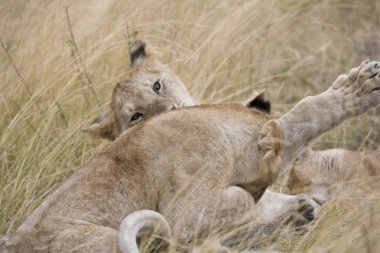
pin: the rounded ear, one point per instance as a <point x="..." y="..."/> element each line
<point x="259" y="102"/>
<point x="142" y="55"/>
<point x="271" y="148"/>
<point x="138" y="53"/>
<point x="271" y="140"/>
<point x="102" y="126"/>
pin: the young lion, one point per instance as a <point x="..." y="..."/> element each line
<point x="160" y="90"/>
<point x="213" y="161"/>
<point x="155" y="90"/>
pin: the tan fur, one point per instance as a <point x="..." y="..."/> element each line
<point x="135" y="173"/>
<point x="189" y="165"/>
<point x="316" y="172"/>
<point x="313" y="170"/>
<point x="137" y="93"/>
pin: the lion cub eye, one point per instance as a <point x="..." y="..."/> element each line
<point x="136" y="116"/>
<point x="157" y="87"/>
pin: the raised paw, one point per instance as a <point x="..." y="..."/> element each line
<point x="371" y="84"/>
<point x="361" y="86"/>
<point x="368" y="70"/>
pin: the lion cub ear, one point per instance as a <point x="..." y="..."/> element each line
<point x="141" y="55"/>
<point x="259" y="102"/>
<point x="102" y="126"/>
<point x="138" y="53"/>
<point x="271" y="141"/>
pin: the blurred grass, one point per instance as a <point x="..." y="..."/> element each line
<point x="222" y="50"/>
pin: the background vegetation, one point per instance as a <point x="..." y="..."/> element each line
<point x="59" y="61"/>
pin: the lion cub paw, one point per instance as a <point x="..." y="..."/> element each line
<point x="305" y="212"/>
<point x="361" y="85"/>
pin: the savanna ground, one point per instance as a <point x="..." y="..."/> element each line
<point x="222" y="50"/>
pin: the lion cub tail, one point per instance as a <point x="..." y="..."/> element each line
<point x="135" y="223"/>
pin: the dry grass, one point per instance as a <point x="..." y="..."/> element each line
<point x="222" y="50"/>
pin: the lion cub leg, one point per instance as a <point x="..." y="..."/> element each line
<point x="350" y="95"/>
<point x="207" y="212"/>
<point x="321" y="173"/>
<point x="210" y="214"/>
<point x="273" y="204"/>
<point x="274" y="216"/>
<point x="86" y="238"/>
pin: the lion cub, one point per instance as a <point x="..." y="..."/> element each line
<point x="159" y="90"/>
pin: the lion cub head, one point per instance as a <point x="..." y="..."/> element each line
<point x="150" y="89"/>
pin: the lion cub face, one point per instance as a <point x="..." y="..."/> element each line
<point x="151" y="89"/>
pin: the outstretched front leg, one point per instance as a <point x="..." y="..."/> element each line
<point x="350" y="95"/>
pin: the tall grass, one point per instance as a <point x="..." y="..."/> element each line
<point x="222" y="50"/>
